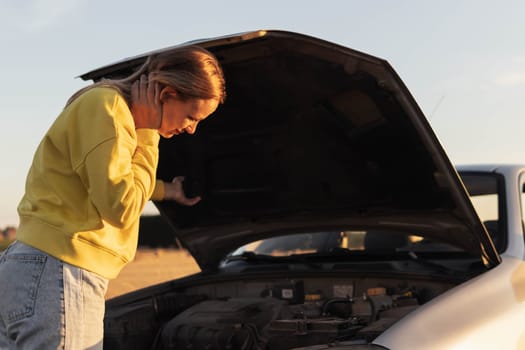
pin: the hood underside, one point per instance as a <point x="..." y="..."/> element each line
<point x="312" y="135"/>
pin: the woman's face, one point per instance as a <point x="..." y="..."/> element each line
<point x="183" y="115"/>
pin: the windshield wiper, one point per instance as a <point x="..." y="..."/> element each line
<point x="254" y="257"/>
<point x="251" y="257"/>
<point x="435" y="266"/>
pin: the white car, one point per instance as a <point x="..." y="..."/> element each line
<point x="331" y="217"/>
<point x="488" y="311"/>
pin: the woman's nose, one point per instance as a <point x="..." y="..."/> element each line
<point x="190" y="129"/>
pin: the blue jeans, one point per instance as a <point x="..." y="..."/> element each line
<point x="48" y="304"/>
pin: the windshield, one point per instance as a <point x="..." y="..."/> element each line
<point x="373" y="242"/>
<point x="484" y="190"/>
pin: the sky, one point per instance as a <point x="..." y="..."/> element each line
<point x="463" y="61"/>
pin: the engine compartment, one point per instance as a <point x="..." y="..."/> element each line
<point x="271" y="314"/>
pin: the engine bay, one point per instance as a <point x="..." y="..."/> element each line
<point x="267" y="314"/>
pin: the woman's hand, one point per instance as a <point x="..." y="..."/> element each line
<point x="145" y="104"/>
<point x="173" y="190"/>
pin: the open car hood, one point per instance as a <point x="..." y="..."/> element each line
<point x="312" y="135"/>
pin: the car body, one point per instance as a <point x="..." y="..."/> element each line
<point x="485" y="312"/>
<point x="331" y="216"/>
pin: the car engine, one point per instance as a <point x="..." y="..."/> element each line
<point x="282" y="316"/>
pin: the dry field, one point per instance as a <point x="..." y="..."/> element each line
<point x="152" y="266"/>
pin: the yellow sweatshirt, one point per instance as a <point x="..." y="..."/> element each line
<point x="90" y="179"/>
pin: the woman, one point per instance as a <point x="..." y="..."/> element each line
<point x="90" y="179"/>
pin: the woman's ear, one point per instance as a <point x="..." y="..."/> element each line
<point x="167" y="92"/>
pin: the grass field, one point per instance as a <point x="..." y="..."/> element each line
<point x="152" y="266"/>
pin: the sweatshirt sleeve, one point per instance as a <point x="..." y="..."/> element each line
<point x="158" y="192"/>
<point x="119" y="172"/>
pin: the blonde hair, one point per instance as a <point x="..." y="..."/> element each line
<point x="192" y="71"/>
